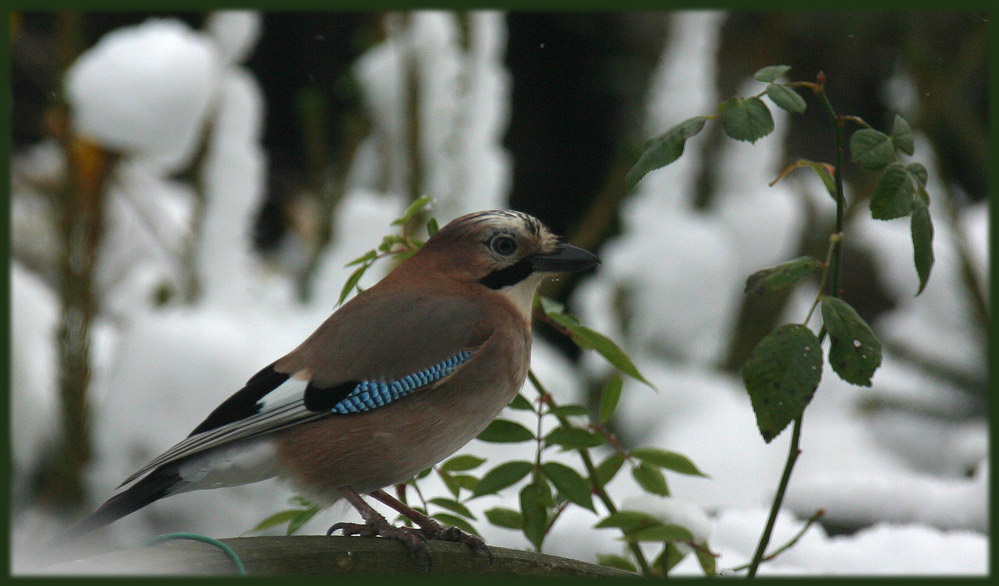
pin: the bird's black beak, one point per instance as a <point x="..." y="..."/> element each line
<point x="567" y="259"/>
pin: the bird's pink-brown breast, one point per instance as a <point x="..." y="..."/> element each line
<point x="390" y="444"/>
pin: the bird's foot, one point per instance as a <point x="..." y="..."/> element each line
<point x="431" y="529"/>
<point x="437" y="532"/>
<point x="412" y="538"/>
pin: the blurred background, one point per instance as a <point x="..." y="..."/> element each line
<point x="186" y="189"/>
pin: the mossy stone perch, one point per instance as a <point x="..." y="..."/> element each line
<point x="317" y="555"/>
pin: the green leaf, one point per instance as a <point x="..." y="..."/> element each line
<point x="466" y="481"/>
<point x="301" y="519"/>
<point x="786" y="98"/>
<point x="781" y="376"/>
<point x="611" y="560"/>
<point x="872" y="149"/>
<point x="505" y="431"/>
<point x="901" y="136"/>
<point x="823" y="170"/>
<point x="295" y="518"/>
<point x="520" y="403"/>
<point x="450" y="482"/>
<point x="573" y="438"/>
<point x="351" y="282"/>
<point x="746" y="119"/>
<point x="628" y="521"/>
<point x="668" y="460"/>
<point x="569" y="483"/>
<point x="458" y="522"/>
<point x="892" y="197"/>
<point x="651" y="479"/>
<point x="921" y="227"/>
<point x="568" y="410"/>
<point x="502" y="476"/>
<point x="389" y="241"/>
<point x="669" y="558"/>
<point x="452" y="505"/>
<point x="854" y="352"/>
<point x="507" y="518"/>
<point x="826" y="177"/>
<point x="919" y="172"/>
<point x="303" y="502"/>
<point x="432" y="227"/>
<point x="278" y="518"/>
<point x="367" y="256"/>
<point x="709" y="563"/>
<point x="607" y="469"/>
<point x="462" y="463"/>
<point x="663" y="149"/>
<point x="534" y="503"/>
<point x="609" y="397"/>
<point x="588" y="339"/>
<point x="413" y="209"/>
<point x="771" y="73"/>
<point x="403" y="254"/>
<point x="782" y="275"/>
<point x="662" y="532"/>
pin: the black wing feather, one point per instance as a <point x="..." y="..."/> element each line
<point x="323" y="399"/>
<point x="244" y="402"/>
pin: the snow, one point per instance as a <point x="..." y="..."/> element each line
<point x="916" y="482"/>
<point x="145" y="234"/>
<point x="145" y="90"/>
<point x="235" y="33"/>
<point x="673" y="511"/>
<point x="233" y="184"/>
<point x="34" y="320"/>
<point x="462" y="103"/>
<point x="882" y="549"/>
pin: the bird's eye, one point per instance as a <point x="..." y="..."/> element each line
<point x="503" y="245"/>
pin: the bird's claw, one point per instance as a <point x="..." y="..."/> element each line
<point x="458" y="536"/>
<point x="413" y="539"/>
<point x="348" y="529"/>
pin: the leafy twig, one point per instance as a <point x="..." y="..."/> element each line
<point x="598" y="487"/>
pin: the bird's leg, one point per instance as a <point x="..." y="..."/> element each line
<point x="431" y="528"/>
<point x="376" y="525"/>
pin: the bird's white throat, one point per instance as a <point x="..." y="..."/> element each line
<point x="522" y="293"/>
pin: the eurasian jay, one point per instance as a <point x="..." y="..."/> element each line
<point x="396" y="380"/>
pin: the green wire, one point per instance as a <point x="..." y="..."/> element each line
<point x="228" y="551"/>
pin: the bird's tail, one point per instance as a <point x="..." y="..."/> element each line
<point x="156" y="485"/>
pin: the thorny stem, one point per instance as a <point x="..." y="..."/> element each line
<point x="591" y="471"/>
<point x="836" y="251"/>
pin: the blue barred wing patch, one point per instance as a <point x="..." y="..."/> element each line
<point x="368" y="395"/>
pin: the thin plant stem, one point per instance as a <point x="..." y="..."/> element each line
<point x="791" y="542"/>
<point x="837" y="123"/>
<point x="792" y="455"/>
<point x="833" y="242"/>
<point x="591" y="471"/>
<point x="837" y="261"/>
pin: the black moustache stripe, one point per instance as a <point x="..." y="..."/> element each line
<point x="510" y="275"/>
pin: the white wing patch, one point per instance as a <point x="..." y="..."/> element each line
<point x="280" y="408"/>
<point x="230" y="465"/>
<point x="289" y="391"/>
